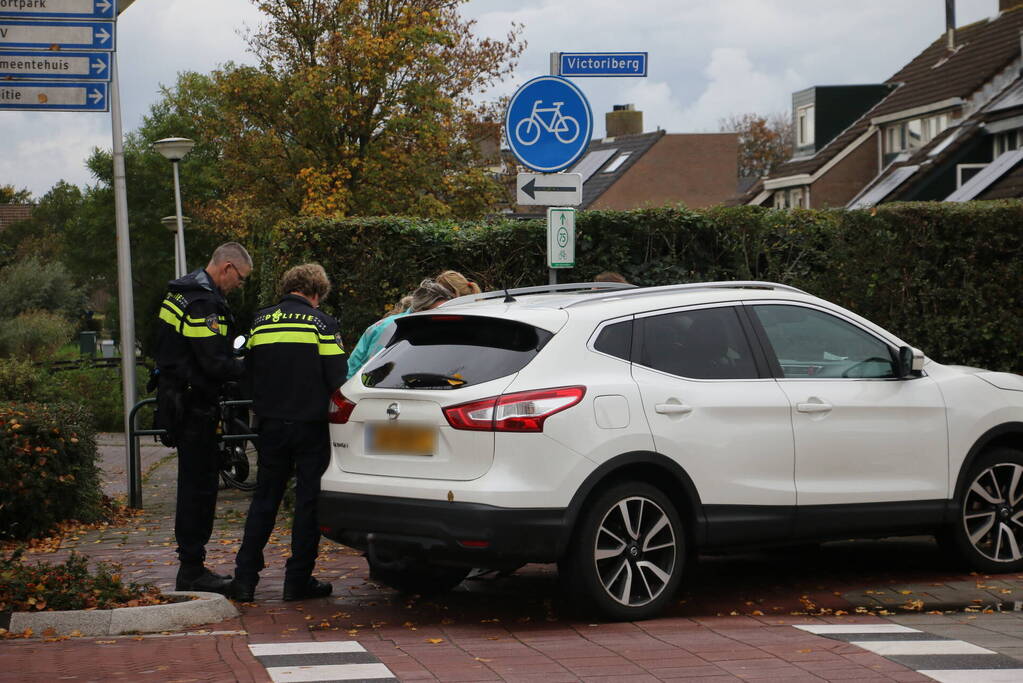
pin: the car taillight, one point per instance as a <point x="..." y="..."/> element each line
<point x="340" y="409"/>
<point x="524" y="411"/>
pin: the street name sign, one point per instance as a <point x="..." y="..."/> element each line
<point x="546" y="189"/>
<point x="58" y="35"/>
<point x="58" y="9"/>
<point x="548" y="124"/>
<point x="51" y="96"/>
<point x="560" y="237"/>
<point x="601" y="64"/>
<point x="92" y="66"/>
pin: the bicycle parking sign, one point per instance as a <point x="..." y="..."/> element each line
<point x="548" y="124"/>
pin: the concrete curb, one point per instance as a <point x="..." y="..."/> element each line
<point x="207" y="608"/>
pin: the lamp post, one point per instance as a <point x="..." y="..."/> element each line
<point x="174" y="150"/>
<point x="171" y="223"/>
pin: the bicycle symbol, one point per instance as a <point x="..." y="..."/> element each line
<point x="565" y="128"/>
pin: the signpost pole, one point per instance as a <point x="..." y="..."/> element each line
<point x="125" y="297"/>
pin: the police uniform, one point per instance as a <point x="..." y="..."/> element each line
<point x="296" y="360"/>
<point x="194" y="359"/>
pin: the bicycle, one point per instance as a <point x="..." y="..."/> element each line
<point x="237" y="454"/>
<point x="560" y="125"/>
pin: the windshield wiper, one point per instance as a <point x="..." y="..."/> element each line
<point x="424" y="380"/>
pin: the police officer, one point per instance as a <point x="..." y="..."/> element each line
<point x="194" y="359"/>
<point x="296" y="362"/>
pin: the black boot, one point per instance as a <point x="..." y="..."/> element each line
<point x="201" y="579"/>
<point x="242" y="591"/>
<point x="310" y="588"/>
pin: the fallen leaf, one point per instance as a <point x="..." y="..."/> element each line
<point x="435" y="641"/>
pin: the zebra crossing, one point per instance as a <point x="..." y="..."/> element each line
<point x="308" y="662"/>
<point x="942" y="659"/>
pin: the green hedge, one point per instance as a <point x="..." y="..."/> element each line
<point x="48" y="471"/>
<point x="946" y="277"/>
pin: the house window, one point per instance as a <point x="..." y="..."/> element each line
<point x="804" y="126"/>
<point x="781" y="199"/>
<point x="796" y="197"/>
<point x="617" y="163"/>
<point x="793" y="198"/>
<point x="1006" y="142"/>
<point x="966" y="171"/>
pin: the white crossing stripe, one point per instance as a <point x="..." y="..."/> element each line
<point x="319" y="647"/>
<point x="839" y="629"/>
<point x="328" y="672"/>
<point x="975" y="675"/>
<point x="889" y="648"/>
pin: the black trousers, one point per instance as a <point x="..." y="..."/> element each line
<point x="198" y="481"/>
<point x="285" y="447"/>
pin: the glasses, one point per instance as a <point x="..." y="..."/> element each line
<point x="241" y="278"/>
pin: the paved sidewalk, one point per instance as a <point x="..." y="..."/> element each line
<point x="733" y="622"/>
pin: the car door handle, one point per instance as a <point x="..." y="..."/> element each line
<point x="815" y="407"/>
<point x="673" y="409"/>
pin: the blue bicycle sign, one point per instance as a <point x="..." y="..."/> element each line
<point x="548" y="124"/>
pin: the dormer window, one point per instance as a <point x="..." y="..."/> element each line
<point x="804" y="126"/>
<point x="1006" y="142"/>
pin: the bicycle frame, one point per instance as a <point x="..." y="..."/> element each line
<point x="557" y="124"/>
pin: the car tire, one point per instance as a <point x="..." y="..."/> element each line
<point x="628" y="553"/>
<point x="416" y="576"/>
<point x="988" y="529"/>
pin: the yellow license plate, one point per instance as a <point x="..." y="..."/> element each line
<point x="400" y="440"/>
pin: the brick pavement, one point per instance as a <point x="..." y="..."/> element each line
<point x="732" y="623"/>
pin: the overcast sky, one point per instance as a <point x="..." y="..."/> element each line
<point x="707" y="59"/>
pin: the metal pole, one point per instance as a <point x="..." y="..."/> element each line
<point x="180" y="236"/>
<point x="125" y="298"/>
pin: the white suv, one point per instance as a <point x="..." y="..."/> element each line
<point x="616" y="431"/>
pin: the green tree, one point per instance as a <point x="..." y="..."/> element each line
<point x="355" y="107"/>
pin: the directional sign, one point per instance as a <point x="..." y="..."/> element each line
<point x="59" y="9"/>
<point x="545" y="189"/>
<point x="93" y="66"/>
<point x="592" y="64"/>
<point x="548" y="124"/>
<point x="50" y="96"/>
<point x="560" y="237"/>
<point x="58" y="35"/>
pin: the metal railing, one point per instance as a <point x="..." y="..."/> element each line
<point x="134" y="464"/>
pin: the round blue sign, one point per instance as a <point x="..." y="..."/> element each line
<point x="548" y="124"/>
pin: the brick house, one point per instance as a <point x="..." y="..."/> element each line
<point x="12" y="213"/>
<point x="947" y="126"/>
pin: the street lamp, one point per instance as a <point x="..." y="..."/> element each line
<point x="171" y="223"/>
<point x="174" y="150"/>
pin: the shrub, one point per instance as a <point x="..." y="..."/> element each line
<point x="22" y="381"/>
<point x="34" y="334"/>
<point x="48" y="470"/>
<point x="99" y="390"/>
<point x="32" y="284"/>
<point x="66" y="586"/>
<point x="943" y="276"/>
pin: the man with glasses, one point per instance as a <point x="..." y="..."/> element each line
<point x="194" y="358"/>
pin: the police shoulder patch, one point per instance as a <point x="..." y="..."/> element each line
<point x="213" y="323"/>
<point x="337" y="338"/>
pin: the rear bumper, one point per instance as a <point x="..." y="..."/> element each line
<point x="457" y="534"/>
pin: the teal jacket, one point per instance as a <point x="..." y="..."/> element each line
<point x="372" y="340"/>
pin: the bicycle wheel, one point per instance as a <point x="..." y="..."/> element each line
<point x="527" y="132"/>
<point x="568" y="131"/>
<point x="239" y="460"/>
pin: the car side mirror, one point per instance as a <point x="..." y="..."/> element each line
<point x="911" y="362"/>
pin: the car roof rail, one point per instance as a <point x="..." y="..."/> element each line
<point x="601" y="287"/>
<point x="666" y="289"/>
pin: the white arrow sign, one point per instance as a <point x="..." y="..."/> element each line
<point x="53" y="96"/>
<point x="58" y="9"/>
<point x="546" y="189"/>
<point x="560" y="237"/>
<point x="57" y="35"/>
<point x="32" y="64"/>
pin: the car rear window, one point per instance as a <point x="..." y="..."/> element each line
<point x="453" y="351"/>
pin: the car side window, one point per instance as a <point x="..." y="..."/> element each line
<point x="707" y="343"/>
<point x="615" y="340"/>
<point x="811" y="343"/>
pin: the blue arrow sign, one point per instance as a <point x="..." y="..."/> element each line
<point x="91" y="66"/>
<point x="50" y="96"/>
<point x="548" y="124"/>
<point x="60" y="35"/>
<point x="592" y="64"/>
<point x="59" y="9"/>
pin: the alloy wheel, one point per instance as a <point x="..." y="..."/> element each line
<point x="992" y="514"/>
<point x="635" y="551"/>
